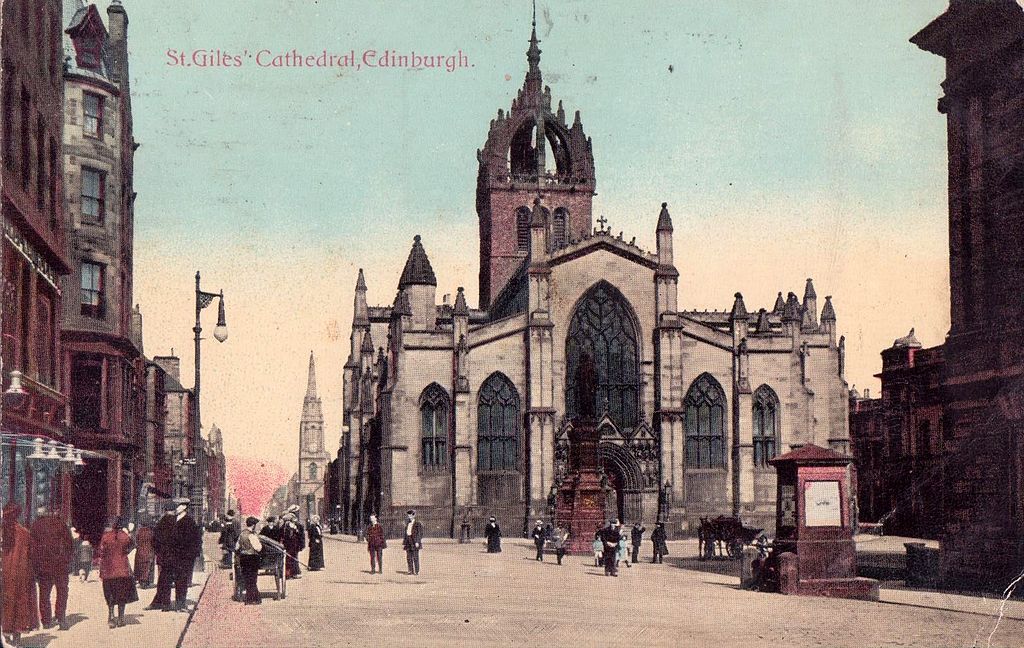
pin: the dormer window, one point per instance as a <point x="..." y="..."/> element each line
<point x="88" y="52"/>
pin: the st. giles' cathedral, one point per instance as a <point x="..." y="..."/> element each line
<point x="462" y="413"/>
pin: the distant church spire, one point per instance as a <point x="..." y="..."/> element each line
<point x="311" y="408"/>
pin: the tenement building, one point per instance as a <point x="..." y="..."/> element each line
<point x="34" y="259"/>
<point x="463" y="412"/>
<point x="102" y="336"/>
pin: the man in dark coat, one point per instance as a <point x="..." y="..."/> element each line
<point x="161" y="542"/>
<point x="637" y="537"/>
<point x="658" y="537"/>
<point x="294" y="540"/>
<point x="493" y="533"/>
<point x="539" y="536"/>
<point x="51" y="551"/>
<point x="610" y="538"/>
<point x="229" y="533"/>
<point x="272" y="529"/>
<point x="185" y="545"/>
<point x="412" y="542"/>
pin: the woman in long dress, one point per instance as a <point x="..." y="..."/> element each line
<point x="116" y="572"/>
<point x="144" y="556"/>
<point x="316" y="543"/>
<point x="493" y="533"/>
<point x="20" y="611"/>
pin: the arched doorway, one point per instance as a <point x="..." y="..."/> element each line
<point x="624" y="481"/>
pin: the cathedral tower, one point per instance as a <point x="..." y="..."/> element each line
<point x="530" y="152"/>
<point x="313" y="457"/>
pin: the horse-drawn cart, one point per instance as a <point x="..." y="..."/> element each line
<point x="272" y="560"/>
<point x="724" y="536"/>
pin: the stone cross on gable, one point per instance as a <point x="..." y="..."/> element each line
<point x="602" y="221"/>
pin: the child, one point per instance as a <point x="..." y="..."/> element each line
<point x="84" y="560"/>
<point x="598" y="550"/>
<point x="622" y="553"/>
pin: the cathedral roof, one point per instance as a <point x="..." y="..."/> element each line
<point x="417" y="267"/>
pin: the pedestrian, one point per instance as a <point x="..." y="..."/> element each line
<point x="272" y="530"/>
<point x="493" y="534"/>
<point x="52" y="551"/>
<point x="538" y="536"/>
<point x="229" y="533"/>
<point x="144" y="556"/>
<point x="412" y="542"/>
<point x="19" y="612"/>
<point x="315" y="533"/>
<point x="610" y="546"/>
<point x="249" y="548"/>
<point x="294" y="540"/>
<point x="637" y="538"/>
<point x="598" y="548"/>
<point x="115" y="571"/>
<point x="185" y="544"/>
<point x="162" y="533"/>
<point x="622" y="554"/>
<point x="658" y="540"/>
<point x="376" y="544"/>
<point x="561" y="537"/>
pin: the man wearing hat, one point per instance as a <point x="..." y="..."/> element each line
<point x="249" y="548"/>
<point x="271" y="529"/>
<point x="538" y="536"/>
<point x="610" y="537"/>
<point x="161" y="542"/>
<point x="228" y="537"/>
<point x="294" y="540"/>
<point x="185" y="545"/>
<point x="412" y="542"/>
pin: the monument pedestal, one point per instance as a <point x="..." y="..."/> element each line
<point x="580" y="508"/>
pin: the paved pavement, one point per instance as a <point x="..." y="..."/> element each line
<point x="87" y="613"/>
<point x="464" y="596"/>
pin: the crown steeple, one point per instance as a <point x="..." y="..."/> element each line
<point x="533" y="54"/>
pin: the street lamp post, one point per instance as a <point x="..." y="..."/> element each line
<point x="220" y="333"/>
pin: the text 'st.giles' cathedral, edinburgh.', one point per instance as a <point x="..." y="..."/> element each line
<point x="463" y="413"/>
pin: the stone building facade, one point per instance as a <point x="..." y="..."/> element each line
<point x="897" y="441"/>
<point x="465" y="412"/>
<point x="982" y="532"/>
<point x="102" y="332"/>
<point x="33" y="256"/>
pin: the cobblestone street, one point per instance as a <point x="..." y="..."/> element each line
<point x="464" y="596"/>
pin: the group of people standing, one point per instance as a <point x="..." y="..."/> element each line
<point x="284" y="534"/>
<point x="39" y="560"/>
<point x="610" y="545"/>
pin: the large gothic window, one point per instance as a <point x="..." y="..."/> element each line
<point x="434" y="409"/>
<point x="766" y="426"/>
<point x="705" y="424"/>
<point x="602" y="325"/>
<point x="497" y="425"/>
<point x="523" y="229"/>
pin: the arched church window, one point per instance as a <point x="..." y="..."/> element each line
<point x="705" y="424"/>
<point x="312" y="472"/>
<point x="523" y="229"/>
<point x="766" y="426"/>
<point x="497" y="425"/>
<point x="603" y="326"/>
<point x="434" y="408"/>
<point x="560" y="228"/>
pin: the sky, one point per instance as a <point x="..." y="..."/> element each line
<point x="790" y="140"/>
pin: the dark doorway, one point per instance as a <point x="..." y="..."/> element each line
<point x="89" y="500"/>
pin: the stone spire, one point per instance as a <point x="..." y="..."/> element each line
<point x="533" y="55"/>
<point x="417" y="267"/>
<point x="460" y="309"/>
<point x="780" y="305"/>
<point x="810" y="306"/>
<point x="828" y="313"/>
<point x="311" y="409"/>
<point x="763" y="325"/>
<point x="739" y="309"/>
<point x="664" y="220"/>
<point x="360" y="312"/>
